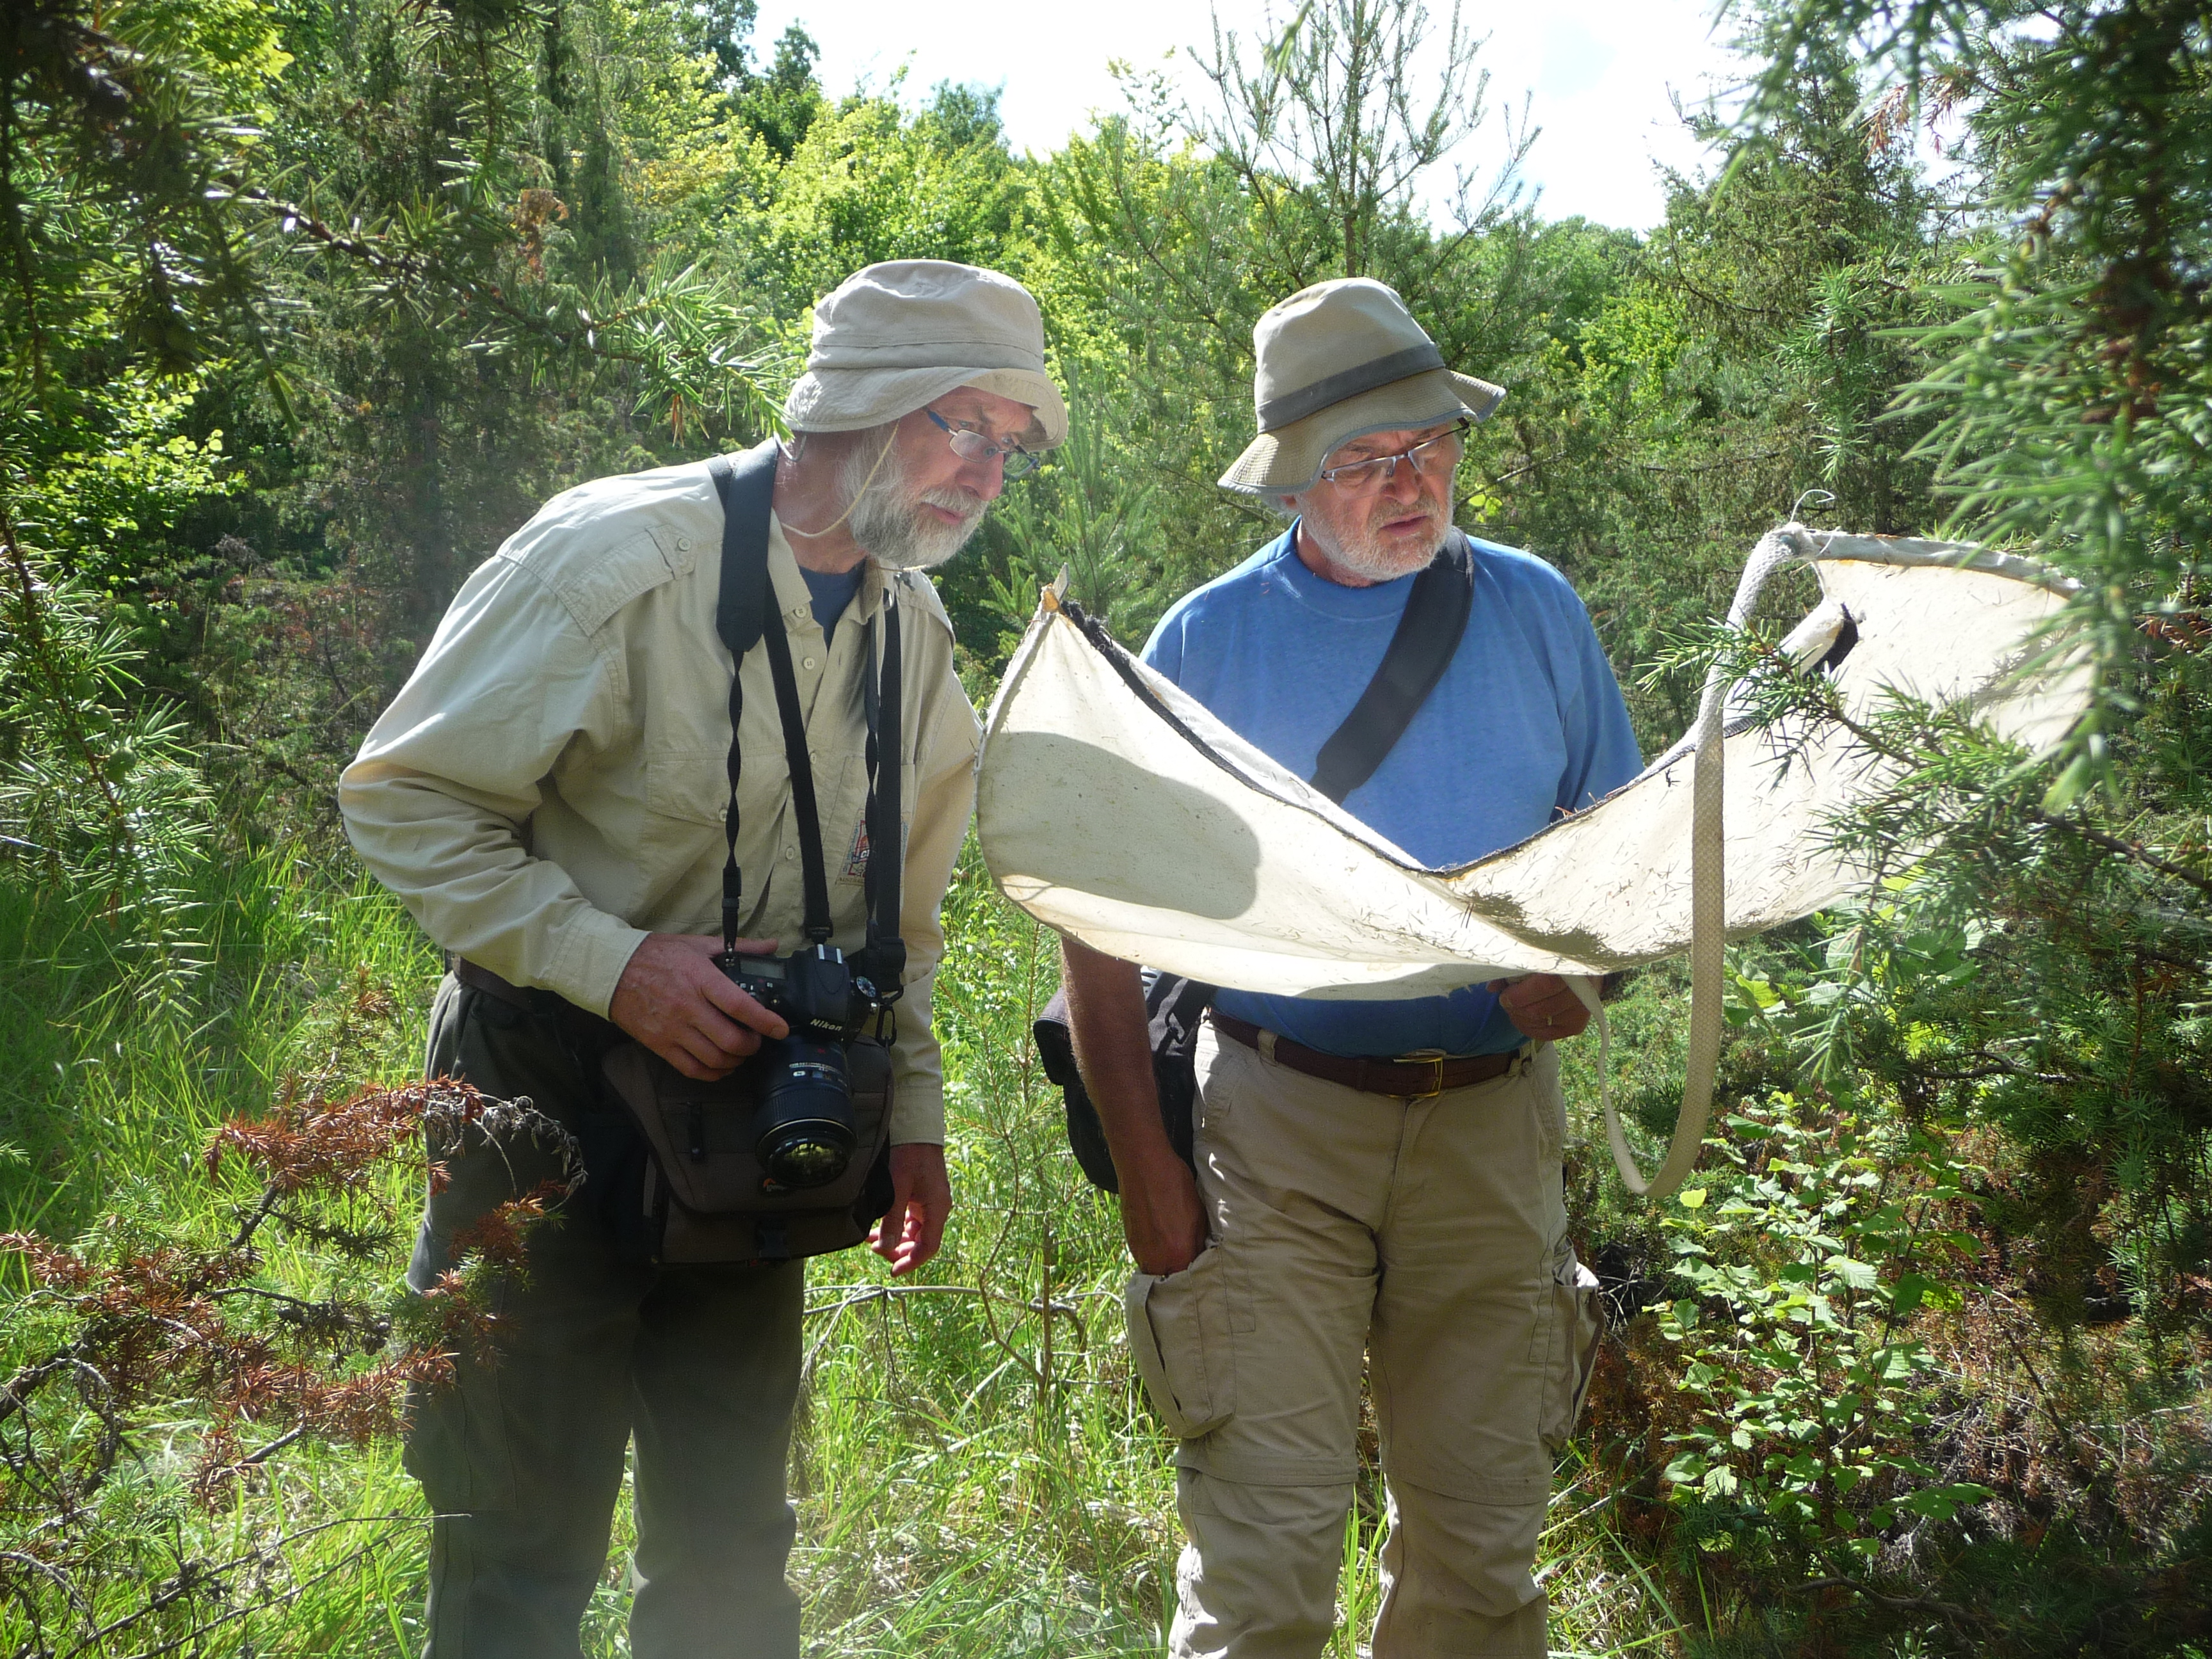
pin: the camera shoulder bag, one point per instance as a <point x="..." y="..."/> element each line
<point x="1428" y="635"/>
<point x="708" y="1197"/>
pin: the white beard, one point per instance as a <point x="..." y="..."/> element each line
<point x="1363" y="553"/>
<point x="887" y="520"/>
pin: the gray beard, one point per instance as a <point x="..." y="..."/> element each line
<point x="887" y="520"/>
<point x="1362" y="555"/>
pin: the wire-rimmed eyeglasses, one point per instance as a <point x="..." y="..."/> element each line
<point x="970" y="444"/>
<point x="1430" y="456"/>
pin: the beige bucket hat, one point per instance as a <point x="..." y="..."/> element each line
<point x="1336" y="361"/>
<point x="898" y="335"/>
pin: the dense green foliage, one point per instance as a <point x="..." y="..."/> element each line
<point x="304" y="307"/>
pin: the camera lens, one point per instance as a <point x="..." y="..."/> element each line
<point x="805" y="1113"/>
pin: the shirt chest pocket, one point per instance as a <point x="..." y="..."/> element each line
<point x="692" y="785"/>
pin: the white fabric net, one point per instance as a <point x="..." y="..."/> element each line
<point x="1117" y="810"/>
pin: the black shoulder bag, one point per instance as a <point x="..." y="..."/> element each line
<point x="739" y="1171"/>
<point x="1428" y="635"/>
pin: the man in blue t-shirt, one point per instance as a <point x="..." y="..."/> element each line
<point x="1373" y="1178"/>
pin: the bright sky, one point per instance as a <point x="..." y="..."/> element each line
<point x="1599" y="73"/>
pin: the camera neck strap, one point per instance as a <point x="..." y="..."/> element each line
<point x="884" y="966"/>
<point x="746" y="614"/>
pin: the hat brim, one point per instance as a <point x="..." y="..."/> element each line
<point x="1287" y="460"/>
<point x="854" y="399"/>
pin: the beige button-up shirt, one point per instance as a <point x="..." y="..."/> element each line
<point x="548" y="786"/>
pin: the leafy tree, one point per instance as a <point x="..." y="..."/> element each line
<point x="2029" y="980"/>
<point x="1743" y="376"/>
<point x="869" y="182"/>
<point x="2070" y="419"/>
<point x="1331" y="141"/>
<point x="780" y="103"/>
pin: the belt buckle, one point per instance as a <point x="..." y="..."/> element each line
<point x="1435" y="1057"/>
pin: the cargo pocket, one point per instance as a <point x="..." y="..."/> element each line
<point x="1179" y="1337"/>
<point x="458" y="1441"/>
<point x="1578" y="1323"/>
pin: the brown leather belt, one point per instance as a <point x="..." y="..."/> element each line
<point x="545" y="1005"/>
<point x="1411" y="1076"/>
<point x="500" y="990"/>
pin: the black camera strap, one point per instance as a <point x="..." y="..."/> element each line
<point x="747" y="614"/>
<point x="883" y="962"/>
<point x="813" y="878"/>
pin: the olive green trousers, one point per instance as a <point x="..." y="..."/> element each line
<point x="522" y="1458"/>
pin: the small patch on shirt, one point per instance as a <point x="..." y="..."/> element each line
<point x="856" y="857"/>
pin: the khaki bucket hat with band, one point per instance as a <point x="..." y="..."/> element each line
<point x="898" y="335"/>
<point x="1336" y="361"/>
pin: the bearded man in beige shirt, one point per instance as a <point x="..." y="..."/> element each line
<point x="547" y="796"/>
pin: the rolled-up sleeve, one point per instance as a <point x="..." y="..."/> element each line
<point x="438" y="801"/>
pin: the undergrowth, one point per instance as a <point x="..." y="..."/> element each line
<point x="1829" y="1419"/>
<point x="1835" y="1415"/>
<point x="976" y="1469"/>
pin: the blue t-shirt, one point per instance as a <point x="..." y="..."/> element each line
<point x="830" y="595"/>
<point x="1527" y="723"/>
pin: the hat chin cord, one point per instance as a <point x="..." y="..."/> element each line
<point x="816" y="535"/>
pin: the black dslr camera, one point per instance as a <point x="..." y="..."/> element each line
<point x="804" y="1124"/>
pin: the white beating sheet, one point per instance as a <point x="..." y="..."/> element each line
<point x="1144" y="827"/>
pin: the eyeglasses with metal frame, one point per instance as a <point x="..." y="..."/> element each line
<point x="970" y="444"/>
<point x="1430" y="456"/>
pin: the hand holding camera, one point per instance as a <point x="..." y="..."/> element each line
<point x="806" y="1123"/>
<point x="674" y="1001"/>
<point x="707" y="1012"/>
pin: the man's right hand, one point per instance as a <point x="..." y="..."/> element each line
<point x="673" y="999"/>
<point x="1162" y="1217"/>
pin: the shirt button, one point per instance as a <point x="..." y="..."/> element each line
<point x="791" y="852"/>
<point x="807" y="662"/>
<point x="683" y="543"/>
<point x="797" y="613"/>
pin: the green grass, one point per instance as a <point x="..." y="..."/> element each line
<point x="975" y="1469"/>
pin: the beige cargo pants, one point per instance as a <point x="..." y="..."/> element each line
<point x="1429" y="1234"/>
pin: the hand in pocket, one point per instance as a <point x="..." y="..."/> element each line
<point x="1179" y="1338"/>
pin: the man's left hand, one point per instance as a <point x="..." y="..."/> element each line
<point x="1543" y="1007"/>
<point x="921" y="1198"/>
